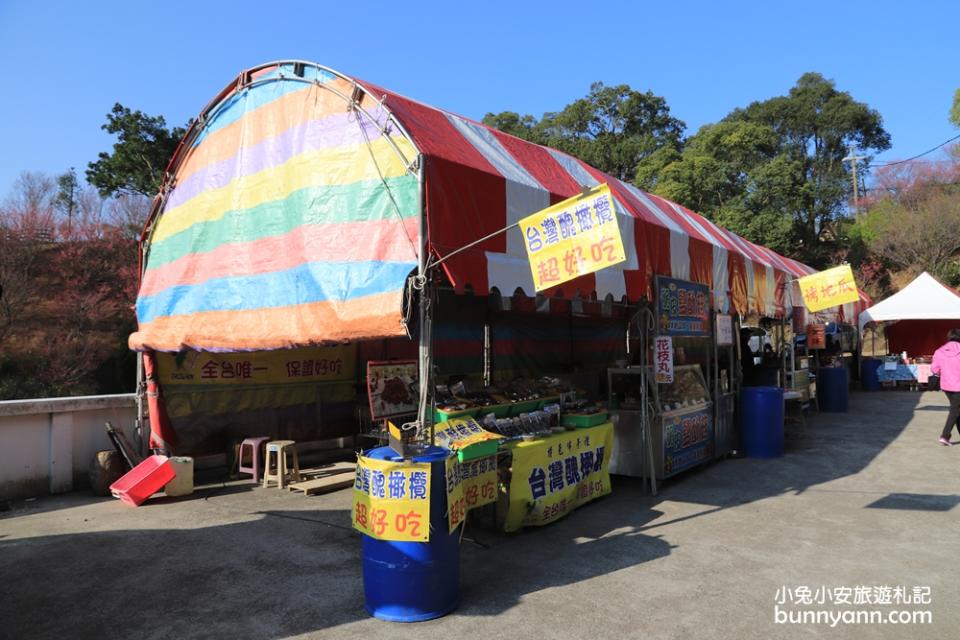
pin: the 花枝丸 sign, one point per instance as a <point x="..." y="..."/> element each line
<point x="572" y="238"/>
<point x="663" y="359"/>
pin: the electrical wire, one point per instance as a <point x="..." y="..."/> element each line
<point x="919" y="155"/>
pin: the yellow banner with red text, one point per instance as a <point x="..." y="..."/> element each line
<point x="572" y="238"/>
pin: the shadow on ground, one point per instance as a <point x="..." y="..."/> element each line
<point x="280" y="572"/>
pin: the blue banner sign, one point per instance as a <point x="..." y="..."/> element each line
<point x="683" y="308"/>
<point x="687" y="440"/>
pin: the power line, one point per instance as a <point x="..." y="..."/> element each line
<point x="919" y="155"/>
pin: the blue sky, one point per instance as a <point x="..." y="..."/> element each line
<point x="66" y="63"/>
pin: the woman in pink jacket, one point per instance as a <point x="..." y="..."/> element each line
<point x="946" y="364"/>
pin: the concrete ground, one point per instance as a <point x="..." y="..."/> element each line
<point x="863" y="498"/>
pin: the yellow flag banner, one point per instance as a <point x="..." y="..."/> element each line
<point x="552" y="476"/>
<point x="391" y="500"/>
<point x="459" y="433"/>
<point x="829" y="288"/>
<point x="470" y="484"/>
<point x="572" y="238"/>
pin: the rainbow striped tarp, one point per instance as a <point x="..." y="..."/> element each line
<point x="292" y="216"/>
<point x="293" y="220"/>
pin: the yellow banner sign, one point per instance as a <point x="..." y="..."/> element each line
<point x="460" y="433"/>
<point x="572" y="238"/>
<point x="314" y="364"/>
<point x="829" y="288"/>
<point x="554" y="475"/>
<point x="470" y="484"/>
<point x="391" y="500"/>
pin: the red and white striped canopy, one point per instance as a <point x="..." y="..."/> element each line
<point x="478" y="180"/>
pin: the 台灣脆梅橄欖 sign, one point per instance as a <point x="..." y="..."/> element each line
<point x="829" y="288"/>
<point x="391" y="500"/>
<point x="470" y="484"/>
<point x="552" y="476"/>
<point x="683" y="308"/>
<point x="572" y="238"/>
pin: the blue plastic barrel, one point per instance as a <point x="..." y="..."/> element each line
<point x="832" y="389"/>
<point x="869" y="376"/>
<point x="415" y="581"/>
<point x="761" y="422"/>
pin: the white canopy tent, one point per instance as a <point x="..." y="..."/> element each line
<point x="926" y="298"/>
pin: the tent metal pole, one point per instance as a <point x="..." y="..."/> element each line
<point x="424" y="413"/>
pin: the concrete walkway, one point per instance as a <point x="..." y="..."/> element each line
<point x="864" y="498"/>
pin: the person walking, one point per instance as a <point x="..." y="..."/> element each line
<point x="946" y="364"/>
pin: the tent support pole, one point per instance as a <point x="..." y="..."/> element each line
<point x="139" y="439"/>
<point x="424" y="364"/>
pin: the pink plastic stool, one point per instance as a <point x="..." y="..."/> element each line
<point x="254" y="445"/>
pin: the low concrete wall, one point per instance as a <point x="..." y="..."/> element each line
<point x="46" y="445"/>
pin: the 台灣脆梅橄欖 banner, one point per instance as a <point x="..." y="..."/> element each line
<point x="391" y="500"/>
<point x="829" y="288"/>
<point x="470" y="484"/>
<point x="552" y="476"/>
<point x="572" y="238"/>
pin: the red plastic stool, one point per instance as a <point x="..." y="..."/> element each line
<point x="254" y="445"/>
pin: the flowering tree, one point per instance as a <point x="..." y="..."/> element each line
<point x="67" y="280"/>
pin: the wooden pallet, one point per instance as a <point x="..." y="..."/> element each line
<point x="325" y="479"/>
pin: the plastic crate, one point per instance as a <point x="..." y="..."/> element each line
<point x="443" y="416"/>
<point x="478" y="450"/>
<point x="144" y="480"/>
<point x="583" y="420"/>
<point x="525" y="406"/>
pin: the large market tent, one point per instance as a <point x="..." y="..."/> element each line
<point x="923" y="311"/>
<point x="301" y="200"/>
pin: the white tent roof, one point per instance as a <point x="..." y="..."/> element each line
<point x="926" y="298"/>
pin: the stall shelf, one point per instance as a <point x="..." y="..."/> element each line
<point x="681" y="432"/>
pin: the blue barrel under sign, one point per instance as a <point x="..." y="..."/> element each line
<point x="832" y="389"/>
<point x="415" y="581"/>
<point x="869" y="374"/>
<point x="761" y="422"/>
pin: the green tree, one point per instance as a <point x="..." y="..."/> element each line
<point x="955" y="109"/>
<point x="912" y="222"/>
<point x="774" y="171"/>
<point x="144" y="147"/>
<point x="511" y="122"/>
<point x="612" y="128"/>
<point x="66" y="198"/>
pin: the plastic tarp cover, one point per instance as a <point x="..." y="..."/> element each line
<point x="293" y="222"/>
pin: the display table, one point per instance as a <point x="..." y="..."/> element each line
<point x="919" y="373"/>
<point x="796" y="401"/>
<point x="553" y="475"/>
